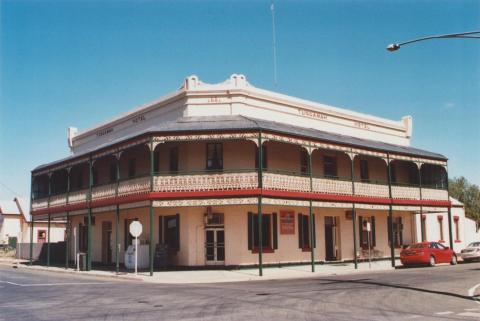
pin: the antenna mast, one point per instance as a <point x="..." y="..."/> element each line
<point x="272" y="8"/>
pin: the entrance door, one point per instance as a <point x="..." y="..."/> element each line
<point x="214" y="246"/>
<point x="331" y="238"/>
<point x="106" y="242"/>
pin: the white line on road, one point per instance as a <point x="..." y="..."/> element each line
<point x="55" y="284"/>
<point x="471" y="292"/>
<point x="444" y="313"/>
<point x="476" y="309"/>
<point x="470" y="314"/>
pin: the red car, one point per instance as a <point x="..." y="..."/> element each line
<point x="429" y="253"/>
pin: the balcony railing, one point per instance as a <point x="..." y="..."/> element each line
<point x="240" y="180"/>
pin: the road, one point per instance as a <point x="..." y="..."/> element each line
<point x="439" y="293"/>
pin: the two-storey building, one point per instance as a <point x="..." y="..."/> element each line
<point x="229" y="174"/>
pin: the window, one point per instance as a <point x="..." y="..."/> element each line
<point x="156" y="161"/>
<point x="393" y="173"/>
<point x="330" y="166"/>
<point x="173" y="159"/>
<point x="41" y="236"/>
<point x="94" y="176"/>
<point x="423" y="227"/>
<point x="113" y="172"/>
<point x="364" y="170"/>
<point x="397" y="232"/>
<point x="413" y="174"/>
<point x="364" y="234"/>
<point x="457" y="228"/>
<point x="215" y="156"/>
<point x="79" y="180"/>
<point x="304" y="162"/>
<point x="264" y="158"/>
<point x="132" y="167"/>
<point x="82" y="237"/>
<point x="171" y="229"/>
<point x="304" y="232"/>
<point x="440" y="227"/>
<point x="269" y="232"/>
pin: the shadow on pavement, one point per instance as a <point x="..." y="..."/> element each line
<point x="399" y="286"/>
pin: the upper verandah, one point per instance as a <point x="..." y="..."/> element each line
<point x="236" y="96"/>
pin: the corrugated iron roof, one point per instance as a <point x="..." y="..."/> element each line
<point x="239" y="122"/>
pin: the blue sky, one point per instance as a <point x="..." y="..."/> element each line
<point x="77" y="63"/>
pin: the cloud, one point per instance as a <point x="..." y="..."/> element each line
<point x="449" y="105"/>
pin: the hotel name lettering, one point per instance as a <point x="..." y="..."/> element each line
<point x="104" y="132"/>
<point x="322" y="116"/>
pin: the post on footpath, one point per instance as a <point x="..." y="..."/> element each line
<point x="136" y="230"/>
<point x="369" y="229"/>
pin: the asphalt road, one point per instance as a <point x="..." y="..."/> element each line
<point x="439" y="293"/>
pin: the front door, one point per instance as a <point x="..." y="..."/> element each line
<point x="106" y="242"/>
<point x="215" y="246"/>
<point x="331" y="238"/>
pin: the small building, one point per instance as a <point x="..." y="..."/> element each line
<point x="231" y="175"/>
<point x="16" y="228"/>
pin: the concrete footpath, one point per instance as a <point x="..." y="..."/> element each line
<point x="219" y="276"/>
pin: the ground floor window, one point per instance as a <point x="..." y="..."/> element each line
<point x="269" y="232"/>
<point x="397" y="232"/>
<point x="169" y="231"/>
<point x="440" y="226"/>
<point x="364" y="234"/>
<point x="423" y="227"/>
<point x="41" y="236"/>
<point x="457" y="229"/>
<point x="304" y="232"/>
<point x="82" y="237"/>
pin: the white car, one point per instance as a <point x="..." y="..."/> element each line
<point x="471" y="252"/>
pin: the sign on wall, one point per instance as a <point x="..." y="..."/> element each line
<point x="287" y="222"/>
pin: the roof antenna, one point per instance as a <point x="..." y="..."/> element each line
<point x="272" y="8"/>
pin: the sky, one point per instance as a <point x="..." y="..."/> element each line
<point x="79" y="63"/>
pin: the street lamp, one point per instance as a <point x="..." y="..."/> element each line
<point x="472" y="34"/>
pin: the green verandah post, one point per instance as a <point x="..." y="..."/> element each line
<point x="354" y="212"/>
<point x="312" y="227"/>
<point x="390" y="213"/>
<point x="89" y="221"/>
<point x="117" y="214"/>
<point x="259" y="216"/>
<point x="150" y="245"/>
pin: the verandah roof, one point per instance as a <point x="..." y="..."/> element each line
<point x="243" y="123"/>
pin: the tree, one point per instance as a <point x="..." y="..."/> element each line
<point x="469" y="194"/>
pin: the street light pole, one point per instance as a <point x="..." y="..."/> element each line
<point x="471" y="34"/>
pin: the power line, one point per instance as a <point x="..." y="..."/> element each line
<point x="9" y="189"/>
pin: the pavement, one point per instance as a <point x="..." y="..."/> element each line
<point x="222" y="276"/>
<point x="440" y="293"/>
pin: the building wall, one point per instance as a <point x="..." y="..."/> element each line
<point x="11" y="227"/>
<point x="57" y="232"/>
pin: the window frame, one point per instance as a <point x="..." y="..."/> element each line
<point x="330" y="163"/>
<point x="214" y="162"/>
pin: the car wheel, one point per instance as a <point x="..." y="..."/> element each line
<point x="432" y="261"/>
<point x="454" y="260"/>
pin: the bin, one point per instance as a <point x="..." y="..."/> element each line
<point x="82" y="261"/>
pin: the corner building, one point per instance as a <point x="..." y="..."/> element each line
<point x="197" y="166"/>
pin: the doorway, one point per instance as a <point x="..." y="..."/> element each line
<point x="214" y="246"/>
<point x="331" y="238"/>
<point x="106" y="242"/>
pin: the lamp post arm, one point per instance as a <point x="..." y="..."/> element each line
<point x="470" y="35"/>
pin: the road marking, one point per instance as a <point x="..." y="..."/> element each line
<point x="444" y="313"/>
<point x="469" y="314"/>
<point x="54" y="284"/>
<point x="471" y="292"/>
<point x="476" y="309"/>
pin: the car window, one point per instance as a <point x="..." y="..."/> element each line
<point x="474" y="244"/>
<point x="433" y="245"/>
<point x="416" y="246"/>
<point x="440" y="246"/>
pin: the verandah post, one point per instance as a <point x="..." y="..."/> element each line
<point x="67" y="226"/>
<point x="31" y="239"/>
<point x="450" y="233"/>
<point x="354" y="214"/>
<point x="312" y="230"/>
<point x="48" y="241"/>
<point x="117" y="214"/>
<point x="259" y="216"/>
<point x="390" y="213"/>
<point x="421" y="197"/>
<point x="151" y="248"/>
<point x="89" y="220"/>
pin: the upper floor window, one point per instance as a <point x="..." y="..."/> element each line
<point x="94" y="176"/>
<point x="132" y="167"/>
<point x="79" y="180"/>
<point x="113" y="172"/>
<point x="156" y="161"/>
<point x="364" y="176"/>
<point x="304" y="163"/>
<point x="214" y="156"/>
<point x="393" y="173"/>
<point x="330" y="166"/>
<point x="264" y="157"/>
<point x="173" y="159"/>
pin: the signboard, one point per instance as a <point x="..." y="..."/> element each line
<point x="135" y="228"/>
<point x="287" y="222"/>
